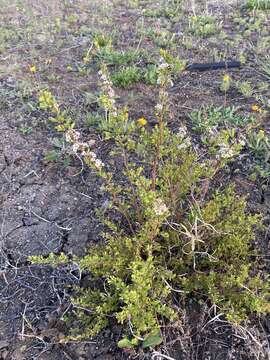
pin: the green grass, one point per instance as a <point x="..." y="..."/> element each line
<point x="204" y="25"/>
<point x="127" y="76"/>
<point x="118" y="57"/>
<point x="258" y="4"/>
<point x="209" y="117"/>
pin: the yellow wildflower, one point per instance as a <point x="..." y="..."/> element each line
<point x="142" y="121"/>
<point x="256" y="108"/>
<point x="33" y="69"/>
<point x="69" y="67"/>
<point x="125" y="116"/>
<point x="226" y="78"/>
<point x="226" y="83"/>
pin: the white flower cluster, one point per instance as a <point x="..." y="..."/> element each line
<point x="80" y="147"/>
<point x="182" y="132"/>
<point x="160" y="208"/>
<point x="72" y="136"/>
<point x="183" y="137"/>
<point x="159" y="108"/>
<point x="225" y="151"/>
<point x="164" y="77"/>
<point x="83" y="148"/>
<point x="165" y="81"/>
<point x="92" y="157"/>
<point x="107" y="88"/>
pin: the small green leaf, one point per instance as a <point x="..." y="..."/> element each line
<point x="152" y="340"/>
<point x="125" y="343"/>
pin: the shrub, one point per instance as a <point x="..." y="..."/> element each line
<point x="175" y="238"/>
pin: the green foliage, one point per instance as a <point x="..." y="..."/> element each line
<point x="60" y="153"/>
<point x="174" y="238"/>
<point x="176" y="66"/>
<point x="127" y="76"/>
<point x="169" y="232"/>
<point x="258" y="144"/>
<point x="26" y="130"/>
<point x="102" y="40"/>
<point x="222" y="263"/>
<point x="258" y="4"/>
<point x="245" y="88"/>
<point x="168" y="9"/>
<point x="223" y="144"/>
<point x="152" y="340"/>
<point x="110" y="56"/>
<point x="48" y="102"/>
<point x="125" y="344"/>
<point x="51" y="259"/>
<point x="209" y="117"/>
<point x="151" y="74"/>
<point x="204" y="25"/>
<point x="94" y="120"/>
<point x="172" y="8"/>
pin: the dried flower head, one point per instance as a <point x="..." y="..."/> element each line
<point x="182" y="131"/>
<point x="160" y="208"/>
<point x="72" y="136"/>
<point x="80" y="147"/>
<point x="91" y="158"/>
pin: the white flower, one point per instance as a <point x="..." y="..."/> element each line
<point x="165" y="94"/>
<point x="114" y="114"/>
<point x="103" y="77"/>
<point x="72" y="135"/>
<point x="160" y="208"/>
<point x="226" y="152"/>
<point x="82" y="147"/>
<point x="164" y="66"/>
<point x="99" y="164"/>
<point x="75" y="147"/>
<point x="242" y="142"/>
<point x="111" y="93"/>
<point x="182" y="132"/>
<point x="91" y="142"/>
<point x="185" y="144"/>
<point x="158" y="107"/>
<point x="92" y="155"/>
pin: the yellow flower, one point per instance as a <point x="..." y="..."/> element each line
<point x="256" y="108"/>
<point x="226" y="78"/>
<point x="33" y="69"/>
<point x="69" y="68"/>
<point x="142" y="121"/>
<point x="126" y="115"/>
